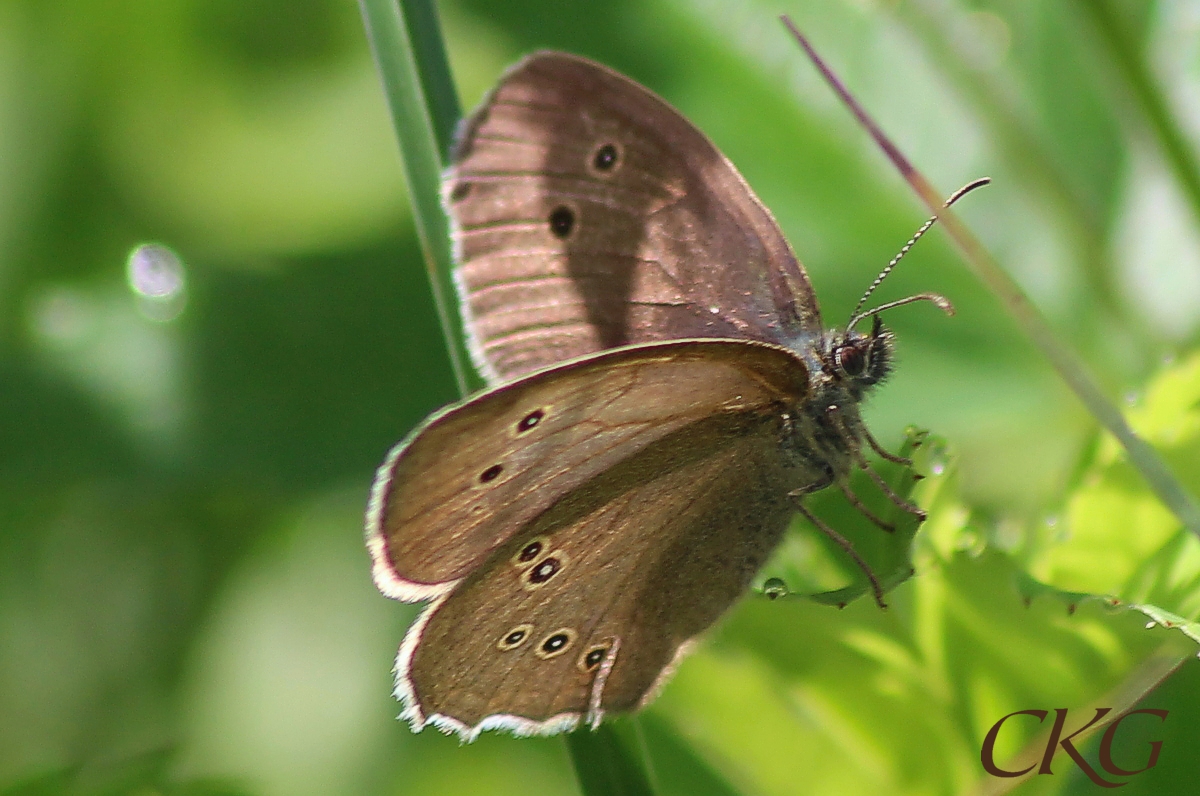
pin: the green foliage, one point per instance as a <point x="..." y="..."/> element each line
<point x="182" y="484"/>
<point x="1115" y="539"/>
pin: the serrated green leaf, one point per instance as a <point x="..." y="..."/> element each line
<point x="1115" y="539"/>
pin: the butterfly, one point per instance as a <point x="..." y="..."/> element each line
<point x="663" y="396"/>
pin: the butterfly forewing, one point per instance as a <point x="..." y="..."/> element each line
<point x="589" y="214"/>
<point x="633" y="565"/>
<point x="474" y="477"/>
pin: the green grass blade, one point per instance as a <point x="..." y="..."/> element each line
<point x="409" y="54"/>
<point x="433" y="70"/>
<point x="605" y="764"/>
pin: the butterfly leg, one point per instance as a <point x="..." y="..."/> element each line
<point x="883" y="454"/>
<point x="916" y="511"/>
<point x="861" y="461"/>
<point x="841" y="541"/>
<point x="866" y="512"/>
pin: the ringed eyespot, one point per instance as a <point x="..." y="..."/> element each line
<point x="529" y="551"/>
<point x="545" y="569"/>
<point x="514" y="638"/>
<point x="530" y="420"/>
<point x="562" y="221"/>
<point x="491" y="473"/>
<point x="605" y="158"/>
<point x="590" y="661"/>
<point x="556" y="643"/>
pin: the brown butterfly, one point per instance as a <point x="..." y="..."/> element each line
<point x="666" y="395"/>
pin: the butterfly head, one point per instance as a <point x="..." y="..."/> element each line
<point x="861" y="360"/>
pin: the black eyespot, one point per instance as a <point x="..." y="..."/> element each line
<point x="530" y="420"/>
<point x="850" y="359"/>
<point x="460" y="191"/>
<point x="514" y="638"/>
<point x="606" y="157"/>
<point x="562" y="221"/>
<point x="529" y="552"/>
<point x="556" y="643"/>
<point x="491" y="473"/>
<point x="545" y="570"/>
<point x="593" y="658"/>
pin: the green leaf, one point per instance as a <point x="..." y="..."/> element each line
<point x="808" y="564"/>
<point x="1114" y="538"/>
<point x="792" y="691"/>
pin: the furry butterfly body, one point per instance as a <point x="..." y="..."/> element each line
<point x="664" y="395"/>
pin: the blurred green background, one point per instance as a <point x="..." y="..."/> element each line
<point x="185" y="604"/>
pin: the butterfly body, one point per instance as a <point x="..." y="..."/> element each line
<point x="663" y="392"/>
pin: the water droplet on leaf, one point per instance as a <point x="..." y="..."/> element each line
<point x="775" y="588"/>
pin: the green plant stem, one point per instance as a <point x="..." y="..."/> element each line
<point x="1128" y="59"/>
<point x="433" y="70"/>
<point x="410" y="54"/>
<point x="1028" y="318"/>
<point x="412" y="63"/>
<point x="605" y="764"/>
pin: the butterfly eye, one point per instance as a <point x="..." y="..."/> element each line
<point x="605" y="158"/>
<point x="514" y="638"/>
<point x="460" y="191"/>
<point x="556" y="643"/>
<point x="562" y="221"/>
<point x="850" y="359"/>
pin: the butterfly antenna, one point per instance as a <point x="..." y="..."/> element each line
<point x="857" y="316"/>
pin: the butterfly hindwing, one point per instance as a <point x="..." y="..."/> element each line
<point x="589" y="606"/>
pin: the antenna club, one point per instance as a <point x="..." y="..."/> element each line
<point x="936" y="299"/>
<point x="943" y="304"/>
<point x="966" y="189"/>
